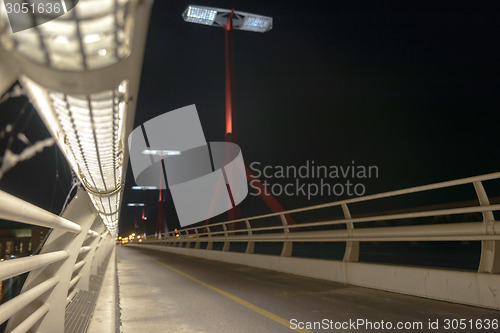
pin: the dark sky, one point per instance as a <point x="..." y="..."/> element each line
<point x="409" y="86"/>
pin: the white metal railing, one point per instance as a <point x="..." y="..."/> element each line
<point x="77" y="245"/>
<point x="487" y="230"/>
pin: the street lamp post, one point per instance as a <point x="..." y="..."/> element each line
<point x="163" y="153"/>
<point x="231" y="20"/>
<point x="133" y="204"/>
<point x="144" y="189"/>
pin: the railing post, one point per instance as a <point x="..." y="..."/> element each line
<point x="210" y="243"/>
<point x="197" y="244"/>
<point x="250" y="244"/>
<point x="490" y="249"/>
<point x="351" y="248"/>
<point x="226" y="242"/>
<point x="183" y="234"/>
<point x="188" y="242"/>
<point x="287" y="245"/>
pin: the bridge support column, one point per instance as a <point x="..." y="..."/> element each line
<point x="490" y="249"/>
<point x="351" y="248"/>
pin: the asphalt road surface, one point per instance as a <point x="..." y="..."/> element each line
<point x="163" y="292"/>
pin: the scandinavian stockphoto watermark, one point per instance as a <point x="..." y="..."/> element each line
<point x="310" y="179"/>
<point x="205" y="179"/>
<point x="24" y="15"/>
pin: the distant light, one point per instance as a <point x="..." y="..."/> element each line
<point x="257" y="23"/>
<point x="135" y="204"/>
<point x="144" y="187"/>
<point x="61" y="39"/>
<point x="161" y="152"/>
<point x="201" y="15"/>
<point x="92" y="38"/>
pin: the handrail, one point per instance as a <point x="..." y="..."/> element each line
<point x="70" y="296"/>
<point x="85" y="249"/>
<point x="8" y="309"/>
<point x="441" y="212"/>
<point x="74" y="281"/>
<point x="60" y="247"/>
<point x="79" y="265"/>
<point x="92" y="233"/>
<point x="487" y="230"/>
<point x="454" y="231"/>
<point x="18" y="210"/>
<point x="14" y="267"/>
<point x="410" y="190"/>
<point x="32" y="319"/>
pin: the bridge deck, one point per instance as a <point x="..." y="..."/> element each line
<point x="162" y="292"/>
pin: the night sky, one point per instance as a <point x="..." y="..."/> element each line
<point x="410" y="87"/>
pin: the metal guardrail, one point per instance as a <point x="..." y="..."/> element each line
<point x="487" y="230"/>
<point x="77" y="245"/>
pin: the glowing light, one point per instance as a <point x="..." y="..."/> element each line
<point x="257" y="23"/>
<point x="92" y="38"/>
<point x="161" y="152"/>
<point x="61" y="39"/>
<point x="89" y="131"/>
<point x="135" y="204"/>
<point x="219" y="17"/>
<point x="199" y="14"/>
<point x="144" y="187"/>
<point x="75" y="42"/>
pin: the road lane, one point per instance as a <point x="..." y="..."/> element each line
<point x="162" y="292"/>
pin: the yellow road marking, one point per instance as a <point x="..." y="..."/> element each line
<point x="241" y="301"/>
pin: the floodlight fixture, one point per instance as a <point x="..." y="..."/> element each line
<point x="232" y="20"/>
<point x="219" y="17"/>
